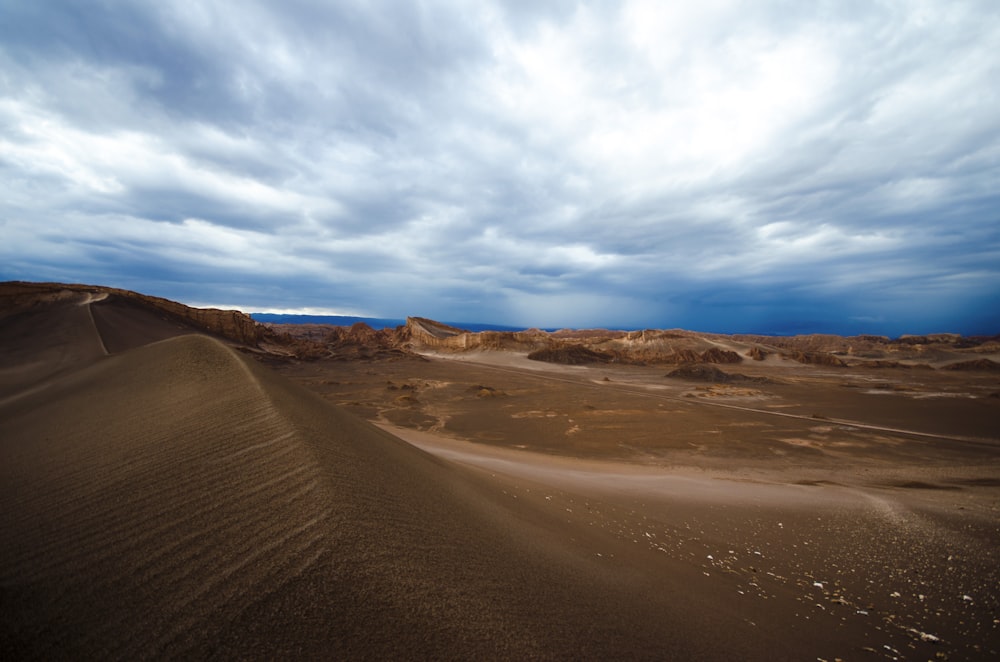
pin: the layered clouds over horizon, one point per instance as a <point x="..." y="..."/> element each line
<point x="772" y="167"/>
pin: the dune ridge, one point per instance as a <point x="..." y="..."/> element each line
<point x="175" y="500"/>
<point x="131" y="499"/>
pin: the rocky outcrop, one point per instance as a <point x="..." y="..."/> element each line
<point x="570" y="354"/>
<point x="229" y="324"/>
<point x="433" y="334"/>
<point x="816" y="358"/>
<point x="361" y="341"/>
<point x="421" y="333"/>
<point x="716" y="355"/>
<point x="711" y="355"/>
<point x="700" y="372"/>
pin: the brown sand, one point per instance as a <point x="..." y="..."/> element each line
<point x="880" y="486"/>
<point x="178" y="500"/>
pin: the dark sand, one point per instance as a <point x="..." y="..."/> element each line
<point x="175" y="499"/>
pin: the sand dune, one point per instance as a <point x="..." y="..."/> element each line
<point x="176" y="501"/>
<point x="173" y="498"/>
<point x="40" y="344"/>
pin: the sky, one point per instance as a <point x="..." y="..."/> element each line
<point x="761" y="166"/>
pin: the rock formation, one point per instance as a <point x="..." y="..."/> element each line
<point x="700" y="372"/>
<point x="570" y="354"/>
<point x="229" y="324"/>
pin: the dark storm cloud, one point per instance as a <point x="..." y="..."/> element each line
<point x="715" y="165"/>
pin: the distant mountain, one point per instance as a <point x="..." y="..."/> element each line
<point x="332" y="320"/>
<point x="373" y="322"/>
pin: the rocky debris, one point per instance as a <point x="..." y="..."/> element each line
<point x="757" y="354"/>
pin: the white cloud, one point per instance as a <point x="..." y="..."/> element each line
<point x="456" y="155"/>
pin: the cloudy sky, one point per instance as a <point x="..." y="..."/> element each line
<point x="726" y="166"/>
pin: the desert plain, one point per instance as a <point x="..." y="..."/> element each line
<point x="179" y="483"/>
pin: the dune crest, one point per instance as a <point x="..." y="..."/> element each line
<point x="176" y="500"/>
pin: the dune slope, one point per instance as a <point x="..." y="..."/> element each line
<point x="177" y="500"/>
<point x="41" y="343"/>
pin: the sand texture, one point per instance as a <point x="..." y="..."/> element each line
<point x="163" y="495"/>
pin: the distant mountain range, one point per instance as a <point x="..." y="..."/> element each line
<point x="373" y="322"/>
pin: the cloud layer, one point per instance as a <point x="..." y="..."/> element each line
<point x="731" y="166"/>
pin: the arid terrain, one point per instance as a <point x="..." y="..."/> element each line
<point x="188" y="483"/>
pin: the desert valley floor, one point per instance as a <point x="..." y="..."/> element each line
<point x="171" y="493"/>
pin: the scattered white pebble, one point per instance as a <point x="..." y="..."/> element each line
<point x="895" y="594"/>
<point x="710" y="558"/>
<point x="967" y="598"/>
<point x="818" y="584"/>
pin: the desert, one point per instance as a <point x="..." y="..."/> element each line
<point x="187" y="483"/>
